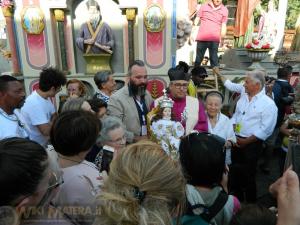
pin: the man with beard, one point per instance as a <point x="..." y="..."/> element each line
<point x="12" y="97"/>
<point x="187" y="110"/>
<point x="131" y="103"/>
<point x="95" y="36"/>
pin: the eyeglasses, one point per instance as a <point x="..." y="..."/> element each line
<point x="121" y="140"/>
<point x="181" y="85"/>
<point x="55" y="180"/>
<point x="58" y="89"/>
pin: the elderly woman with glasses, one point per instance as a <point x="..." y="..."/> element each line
<point x="218" y="123"/>
<point x="30" y="178"/>
<point x="106" y="85"/>
<point x="112" y="138"/>
<point x="75" y="89"/>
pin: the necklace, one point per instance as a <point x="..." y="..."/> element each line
<point x="22" y="129"/>
<point x="79" y="162"/>
<point x="94" y="190"/>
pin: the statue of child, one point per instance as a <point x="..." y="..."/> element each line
<point x="166" y="131"/>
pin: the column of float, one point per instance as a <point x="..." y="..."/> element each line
<point x="60" y="21"/>
<point x="8" y="13"/>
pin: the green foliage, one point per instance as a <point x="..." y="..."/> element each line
<point x="292" y="13"/>
<point x="293" y="10"/>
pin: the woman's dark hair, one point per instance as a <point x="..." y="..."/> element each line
<point x="51" y="77"/>
<point x="254" y="215"/>
<point x="96" y="104"/>
<point x="22" y="167"/>
<point x="203" y="159"/>
<point x="74" y="132"/>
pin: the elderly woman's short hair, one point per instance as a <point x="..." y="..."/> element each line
<point x="73" y="104"/>
<point x="81" y="86"/>
<point x="257" y="76"/>
<point x="101" y="78"/>
<point x="109" y="124"/>
<point x="214" y="93"/>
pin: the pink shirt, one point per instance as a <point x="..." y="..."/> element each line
<point x="211" y="20"/>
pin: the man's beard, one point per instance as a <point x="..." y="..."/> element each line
<point x="138" y="90"/>
<point x="21" y="103"/>
<point x="94" y="20"/>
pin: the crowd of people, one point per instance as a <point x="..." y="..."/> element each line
<point x="121" y="157"/>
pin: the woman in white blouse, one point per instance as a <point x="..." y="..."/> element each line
<point x="218" y="123"/>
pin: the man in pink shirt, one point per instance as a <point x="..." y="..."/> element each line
<point x="213" y="18"/>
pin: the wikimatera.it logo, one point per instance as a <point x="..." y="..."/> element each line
<point x="9" y="215"/>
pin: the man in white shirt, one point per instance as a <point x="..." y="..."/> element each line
<point x="38" y="110"/>
<point x="12" y="97"/>
<point x="254" y="120"/>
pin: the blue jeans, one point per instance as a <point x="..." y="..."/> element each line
<point x="213" y="52"/>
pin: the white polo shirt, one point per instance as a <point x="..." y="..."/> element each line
<point x="256" y="117"/>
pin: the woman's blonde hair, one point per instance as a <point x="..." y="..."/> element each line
<point x="145" y="186"/>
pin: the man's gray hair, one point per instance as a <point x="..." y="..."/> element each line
<point x="257" y="76"/>
<point x="109" y="124"/>
<point x="101" y="78"/>
<point x="136" y="62"/>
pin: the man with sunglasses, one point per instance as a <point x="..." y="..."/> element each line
<point x="199" y="73"/>
<point x="187" y="110"/>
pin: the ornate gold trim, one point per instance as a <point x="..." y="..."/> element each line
<point x="7" y="11"/>
<point x="130" y="14"/>
<point x="59" y="15"/>
<point x="156" y="21"/>
<point x="37" y="23"/>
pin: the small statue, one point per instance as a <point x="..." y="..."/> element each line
<point x="268" y="24"/>
<point x="164" y="130"/>
<point x="95" y="36"/>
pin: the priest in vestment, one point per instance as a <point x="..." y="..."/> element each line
<point x="187" y="110"/>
